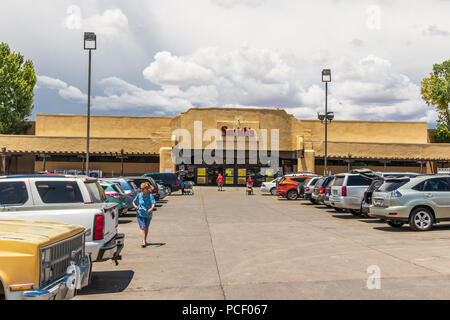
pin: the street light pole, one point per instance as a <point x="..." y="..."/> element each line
<point x="88" y="115"/>
<point x="90" y="43"/>
<point x="326" y="77"/>
<point x="326" y="125"/>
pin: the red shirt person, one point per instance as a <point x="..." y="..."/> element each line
<point x="220" y="181"/>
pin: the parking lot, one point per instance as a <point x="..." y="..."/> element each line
<point x="227" y="245"/>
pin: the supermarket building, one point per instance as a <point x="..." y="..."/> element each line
<point x="135" y="145"/>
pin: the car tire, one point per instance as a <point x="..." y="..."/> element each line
<point x="421" y="219"/>
<point x="395" y="224"/>
<point x="292" y="195"/>
<point x="356" y="213"/>
<point x="273" y="191"/>
<point x="313" y="201"/>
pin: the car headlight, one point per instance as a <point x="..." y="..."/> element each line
<point x="46" y="271"/>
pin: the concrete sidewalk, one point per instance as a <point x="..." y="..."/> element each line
<point x="227" y="245"/>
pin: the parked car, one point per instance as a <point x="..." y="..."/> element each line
<point x="129" y="187"/>
<point x="305" y="189"/>
<point x="65" y="199"/>
<point x="42" y="260"/>
<point x="327" y="195"/>
<point x="169" y="180"/>
<point x="287" y="186"/>
<point x="377" y="180"/>
<point x="419" y="201"/>
<point x="318" y="194"/>
<point x="139" y="180"/>
<point x="162" y="191"/>
<point x="347" y="192"/>
<point x="115" y="194"/>
<point x="270" y="187"/>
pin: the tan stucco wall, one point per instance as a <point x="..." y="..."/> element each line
<point x="215" y="118"/>
<point x="363" y="131"/>
<point x="102" y="126"/>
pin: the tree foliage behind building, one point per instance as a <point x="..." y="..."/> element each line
<point x="435" y="91"/>
<point x="17" y="81"/>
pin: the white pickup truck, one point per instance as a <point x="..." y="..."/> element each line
<point x="67" y="199"/>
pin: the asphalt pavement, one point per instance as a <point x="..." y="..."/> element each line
<point x="228" y="245"/>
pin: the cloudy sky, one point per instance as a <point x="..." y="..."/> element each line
<point x="162" y="57"/>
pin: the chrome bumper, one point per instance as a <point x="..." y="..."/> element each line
<point x="77" y="278"/>
<point x="112" y="249"/>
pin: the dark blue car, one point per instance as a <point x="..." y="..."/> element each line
<point x="169" y="180"/>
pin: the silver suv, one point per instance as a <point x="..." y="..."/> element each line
<point x="347" y="192"/>
<point x="420" y="201"/>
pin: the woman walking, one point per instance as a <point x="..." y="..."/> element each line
<point x="144" y="203"/>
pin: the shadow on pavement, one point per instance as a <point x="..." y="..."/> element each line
<point x="345" y="216"/>
<point x="406" y="228"/>
<point x="156" y="244"/>
<point x="108" y="282"/>
<point x="125" y="221"/>
<point x="369" y="220"/>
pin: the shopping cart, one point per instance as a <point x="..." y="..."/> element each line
<point x="188" y="188"/>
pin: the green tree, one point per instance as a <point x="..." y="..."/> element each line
<point x="17" y="81"/>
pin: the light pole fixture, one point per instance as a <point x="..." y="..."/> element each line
<point x="326" y="77"/>
<point x="90" y="43"/>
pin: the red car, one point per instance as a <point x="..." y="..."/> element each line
<point x="287" y="187"/>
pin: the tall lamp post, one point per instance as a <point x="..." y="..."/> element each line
<point x="90" y="43"/>
<point x="326" y="77"/>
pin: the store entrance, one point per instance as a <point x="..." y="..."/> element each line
<point x="212" y="172"/>
<point x="233" y="175"/>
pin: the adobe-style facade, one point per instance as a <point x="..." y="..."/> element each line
<point x="136" y="145"/>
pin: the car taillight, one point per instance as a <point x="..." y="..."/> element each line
<point x="178" y="182"/>
<point x="344" y="191"/>
<point x="114" y="195"/>
<point x="307" y="189"/>
<point x="154" y="191"/>
<point x="99" y="227"/>
<point x="263" y="185"/>
<point x="322" y="190"/>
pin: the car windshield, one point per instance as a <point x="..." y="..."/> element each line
<point x="391" y="185"/>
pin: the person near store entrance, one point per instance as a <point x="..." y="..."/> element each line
<point x="219" y="182"/>
<point x="249" y="185"/>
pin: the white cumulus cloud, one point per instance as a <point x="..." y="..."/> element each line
<point x="110" y="23"/>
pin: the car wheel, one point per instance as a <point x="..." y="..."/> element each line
<point x="273" y="191"/>
<point x="356" y="213"/>
<point x="395" y="224"/>
<point x="292" y="195"/>
<point x="421" y="219"/>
